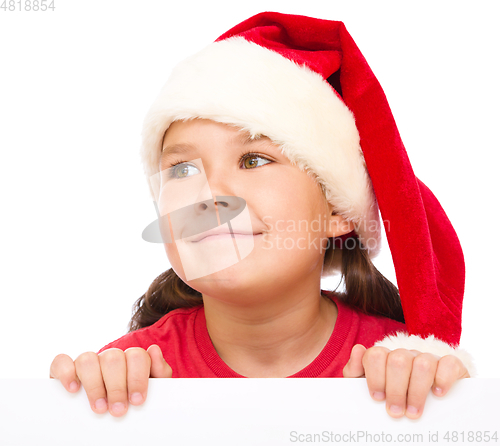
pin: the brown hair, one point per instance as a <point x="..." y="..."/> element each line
<point x="366" y="289"/>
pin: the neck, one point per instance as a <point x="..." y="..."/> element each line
<point x="276" y="337"/>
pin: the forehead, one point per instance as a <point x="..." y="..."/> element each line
<point x="184" y="137"/>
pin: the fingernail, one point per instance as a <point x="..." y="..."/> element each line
<point x="438" y="390"/>
<point x="412" y="410"/>
<point x="380" y="396"/>
<point x="396" y="410"/>
<point x="118" y="408"/>
<point x="136" y="398"/>
<point x="100" y="404"/>
<point x="73" y="387"/>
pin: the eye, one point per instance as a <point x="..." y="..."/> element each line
<point x="252" y="160"/>
<point x="182" y="170"/>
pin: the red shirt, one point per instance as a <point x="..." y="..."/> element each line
<point x="184" y="340"/>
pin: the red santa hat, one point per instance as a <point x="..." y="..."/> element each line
<point x="304" y="83"/>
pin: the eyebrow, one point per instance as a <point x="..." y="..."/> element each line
<point x="183" y="148"/>
<point x="177" y="148"/>
<point x="174" y="149"/>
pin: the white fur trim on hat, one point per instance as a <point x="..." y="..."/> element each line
<point x="428" y="345"/>
<point x="243" y="84"/>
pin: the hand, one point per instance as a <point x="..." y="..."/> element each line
<point x="113" y="378"/>
<point x="404" y="377"/>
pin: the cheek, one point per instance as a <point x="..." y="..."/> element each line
<point x="174" y="259"/>
<point x="294" y="197"/>
<point x="296" y="214"/>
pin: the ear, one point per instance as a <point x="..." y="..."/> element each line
<point x="338" y="225"/>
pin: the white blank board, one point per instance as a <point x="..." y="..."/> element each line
<point x="274" y="411"/>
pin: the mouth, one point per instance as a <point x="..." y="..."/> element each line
<point x="225" y="236"/>
<point x="222" y="232"/>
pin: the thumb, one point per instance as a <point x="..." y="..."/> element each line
<point x="354" y="368"/>
<point x="159" y="367"/>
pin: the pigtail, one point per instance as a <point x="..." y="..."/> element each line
<point x="167" y="292"/>
<point x="366" y="288"/>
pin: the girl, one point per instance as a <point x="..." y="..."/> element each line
<point x="269" y="155"/>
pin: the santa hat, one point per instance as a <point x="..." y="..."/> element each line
<point x="304" y="83"/>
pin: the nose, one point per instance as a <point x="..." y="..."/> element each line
<point x="202" y="216"/>
<point x="211" y="205"/>
<point x="227" y="206"/>
<point x="205" y="214"/>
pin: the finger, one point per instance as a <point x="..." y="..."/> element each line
<point x="63" y="369"/>
<point x="354" y="368"/>
<point x="159" y="367"/>
<point x="449" y="369"/>
<point x="399" y="365"/>
<point x="138" y="368"/>
<point x="88" y="371"/>
<point x="114" y="373"/>
<point x="375" y="363"/>
<point x="421" y="380"/>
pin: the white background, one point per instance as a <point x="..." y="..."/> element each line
<point x="212" y="411"/>
<point x="75" y="85"/>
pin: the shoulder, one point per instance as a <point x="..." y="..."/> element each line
<point x="378" y="327"/>
<point x="171" y="326"/>
<point x="364" y="328"/>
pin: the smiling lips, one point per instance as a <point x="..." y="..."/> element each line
<point x="220" y="233"/>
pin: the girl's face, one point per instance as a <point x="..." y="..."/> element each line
<point x="277" y="213"/>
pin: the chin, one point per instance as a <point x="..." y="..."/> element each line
<point x="237" y="283"/>
<point x="231" y="278"/>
